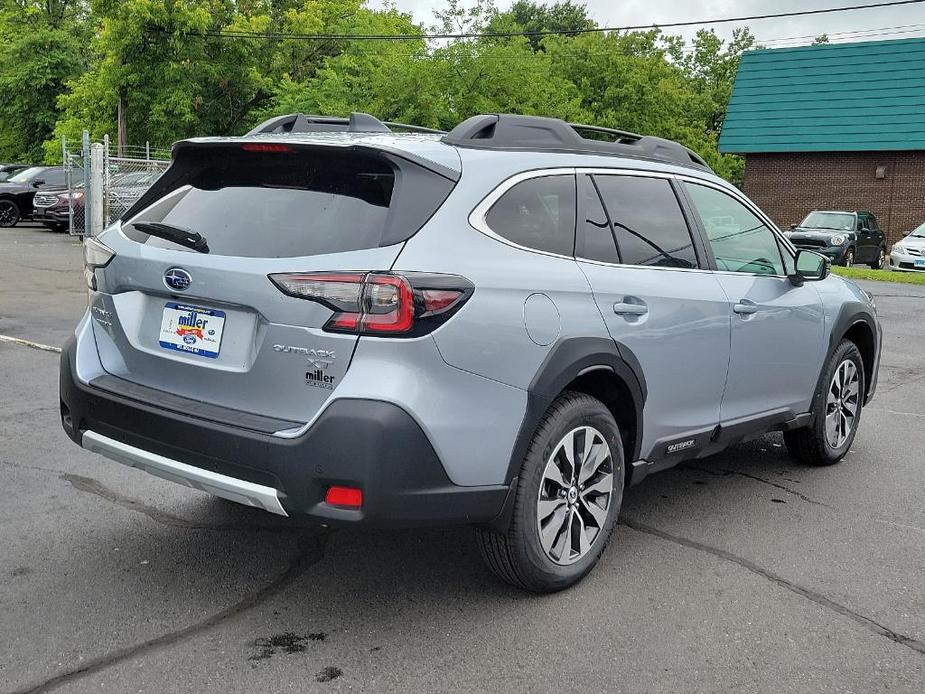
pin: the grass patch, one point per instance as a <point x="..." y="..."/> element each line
<point x="857" y="273"/>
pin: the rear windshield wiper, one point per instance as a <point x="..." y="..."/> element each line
<point x="178" y="235"/>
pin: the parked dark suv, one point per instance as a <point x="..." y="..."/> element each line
<point x="848" y="238"/>
<point x="16" y="192"/>
<point x="7" y="170"/>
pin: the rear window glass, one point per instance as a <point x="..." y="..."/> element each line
<point x="278" y="205"/>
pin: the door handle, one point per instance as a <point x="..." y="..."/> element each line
<point x="628" y="309"/>
<point x="745" y="307"/>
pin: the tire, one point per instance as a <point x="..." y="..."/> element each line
<point x="881" y="258"/>
<point x="819" y="444"/>
<point x="9" y="213"/>
<point x="519" y="556"/>
<point x="848" y="260"/>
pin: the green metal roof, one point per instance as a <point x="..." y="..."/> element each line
<point x="848" y="97"/>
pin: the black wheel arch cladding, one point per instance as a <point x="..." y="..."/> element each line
<point x="856" y="322"/>
<point x="568" y="360"/>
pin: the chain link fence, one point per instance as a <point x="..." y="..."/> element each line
<point x="123" y="179"/>
<point x="75" y="169"/>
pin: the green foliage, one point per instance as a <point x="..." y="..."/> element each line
<point x="182" y="68"/>
<point x="530" y="17"/>
<point x="856" y="273"/>
<point x="41" y="48"/>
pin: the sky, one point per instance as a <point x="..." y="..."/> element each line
<point x="889" y="23"/>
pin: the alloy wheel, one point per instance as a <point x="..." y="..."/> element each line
<point x="9" y="215"/>
<point x="575" y="495"/>
<point x="842" y="404"/>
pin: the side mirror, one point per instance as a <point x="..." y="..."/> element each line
<point x="38" y="182"/>
<point x="793" y="226"/>
<point x="810" y="267"/>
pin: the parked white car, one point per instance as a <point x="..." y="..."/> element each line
<point x="909" y="254"/>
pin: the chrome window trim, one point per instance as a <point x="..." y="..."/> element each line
<point x="480" y="211"/>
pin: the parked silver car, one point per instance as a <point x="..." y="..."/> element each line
<point x="908" y="255"/>
<point x="504" y="325"/>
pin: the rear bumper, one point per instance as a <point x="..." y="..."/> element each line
<point x="373" y="445"/>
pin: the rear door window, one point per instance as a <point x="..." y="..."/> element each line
<point x="298" y="202"/>
<point x="538" y="213"/>
<point x="647" y="220"/>
<point x="595" y="238"/>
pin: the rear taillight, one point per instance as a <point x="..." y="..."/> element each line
<point x="380" y="303"/>
<point x="96" y="256"/>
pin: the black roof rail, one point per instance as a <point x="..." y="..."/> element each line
<point x="507" y="131"/>
<point x="356" y="123"/>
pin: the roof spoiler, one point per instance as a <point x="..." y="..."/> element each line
<point x="355" y="123"/>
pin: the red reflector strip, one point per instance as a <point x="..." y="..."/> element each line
<point x="436" y="300"/>
<point x="348" y="497"/>
<point x="265" y="147"/>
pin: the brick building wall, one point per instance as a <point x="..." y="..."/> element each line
<point x="787" y="186"/>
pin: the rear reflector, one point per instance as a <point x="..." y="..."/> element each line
<point x="380" y="303"/>
<point x="346" y="497"/>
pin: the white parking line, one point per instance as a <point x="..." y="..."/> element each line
<point x="897" y="412"/>
<point x="29" y="343"/>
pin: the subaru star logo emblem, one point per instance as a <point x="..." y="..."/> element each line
<point x="178" y="279"/>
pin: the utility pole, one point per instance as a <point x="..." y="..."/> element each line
<point x="121" y="137"/>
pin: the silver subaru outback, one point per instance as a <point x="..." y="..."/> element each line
<point x="505" y="325"/>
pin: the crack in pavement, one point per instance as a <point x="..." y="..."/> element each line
<point x="819" y="599"/>
<point x="92" y="486"/>
<point x="726" y="472"/>
<point x="310" y="552"/>
<point x="26" y="413"/>
<point x="23" y="466"/>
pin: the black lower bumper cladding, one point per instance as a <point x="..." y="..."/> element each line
<point x="370" y="444"/>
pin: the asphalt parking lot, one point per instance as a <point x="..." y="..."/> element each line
<point x="742" y="572"/>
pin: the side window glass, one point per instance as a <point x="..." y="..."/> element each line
<point x="54" y="178"/>
<point x="537" y="213"/>
<point x="595" y="239"/>
<point x="648" y="224"/>
<point x="863" y="224"/>
<point x="740" y="241"/>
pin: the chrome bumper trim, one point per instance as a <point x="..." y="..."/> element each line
<point x="230" y="488"/>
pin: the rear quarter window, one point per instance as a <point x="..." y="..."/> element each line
<point x="538" y="213"/>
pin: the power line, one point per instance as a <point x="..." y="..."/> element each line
<point x="847" y="36"/>
<point x="511" y="34"/>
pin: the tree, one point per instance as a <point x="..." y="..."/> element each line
<point x="525" y="16"/>
<point x="164" y="70"/>
<point x="41" y="50"/>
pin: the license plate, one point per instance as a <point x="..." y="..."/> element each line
<point x="192" y="329"/>
<point x="920" y="262"/>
